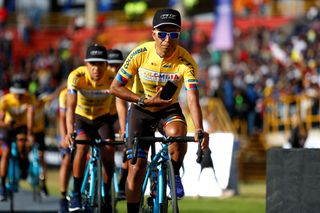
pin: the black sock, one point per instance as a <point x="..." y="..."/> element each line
<point x="107" y="192"/>
<point x="77" y="182"/>
<point x="3" y="182"/>
<point x="123" y="179"/>
<point x="63" y="195"/>
<point x="176" y="166"/>
<point x="133" y="207"/>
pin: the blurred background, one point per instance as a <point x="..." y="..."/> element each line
<point x="259" y="62"/>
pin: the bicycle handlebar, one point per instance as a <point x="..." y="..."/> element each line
<point x="164" y="139"/>
<point x="95" y="142"/>
<point x="99" y="142"/>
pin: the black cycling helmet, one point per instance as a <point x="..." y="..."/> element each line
<point x="18" y="86"/>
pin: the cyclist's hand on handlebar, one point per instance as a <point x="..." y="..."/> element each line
<point x="63" y="143"/>
<point x="68" y="139"/>
<point x="203" y="138"/>
<point x="122" y="136"/>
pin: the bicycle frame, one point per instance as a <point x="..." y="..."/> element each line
<point x="159" y="172"/>
<point x="92" y="168"/>
<point x="93" y="174"/>
<point x="13" y="173"/>
<point x="157" y="165"/>
<point x="35" y="172"/>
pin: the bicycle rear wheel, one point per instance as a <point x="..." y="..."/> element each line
<point x="170" y="204"/>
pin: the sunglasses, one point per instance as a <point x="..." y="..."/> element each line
<point x="172" y="35"/>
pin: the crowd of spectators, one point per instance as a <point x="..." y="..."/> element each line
<point x="263" y="63"/>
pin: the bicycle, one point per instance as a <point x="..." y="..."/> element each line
<point x="92" y="188"/>
<point x="159" y="174"/>
<point x="13" y="174"/>
<point x="36" y="176"/>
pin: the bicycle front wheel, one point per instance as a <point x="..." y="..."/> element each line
<point x="170" y="204"/>
<point x="99" y="187"/>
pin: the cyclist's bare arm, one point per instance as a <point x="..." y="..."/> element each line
<point x="121" y="91"/>
<point x="62" y="127"/>
<point x="122" y="109"/>
<point x="30" y="116"/>
<point x="2" y="123"/>
<point x="71" y="106"/>
<point x="196" y="115"/>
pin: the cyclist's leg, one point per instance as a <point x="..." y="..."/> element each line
<point x="123" y="175"/>
<point x="140" y="123"/>
<point x="39" y="138"/>
<point x="177" y="152"/>
<point x="106" y="132"/>
<point x="79" y="161"/>
<point x="64" y="176"/>
<point x="23" y="150"/>
<point x="173" y="124"/>
<point x="4" y="163"/>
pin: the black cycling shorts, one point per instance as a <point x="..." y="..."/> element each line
<point x="101" y="127"/>
<point x="39" y="139"/>
<point x="142" y="122"/>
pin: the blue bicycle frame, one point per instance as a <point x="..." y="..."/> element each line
<point x="159" y="173"/>
<point x="94" y="171"/>
<point x="92" y="188"/>
<point x="35" y="172"/>
<point x="155" y="171"/>
<point x="13" y="174"/>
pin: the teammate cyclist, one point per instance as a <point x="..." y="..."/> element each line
<point x="16" y="119"/>
<point x="88" y="112"/>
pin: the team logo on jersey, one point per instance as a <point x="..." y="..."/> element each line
<point x="17" y="111"/>
<point x="136" y="52"/>
<point x="157" y="77"/>
<point x="95" y="94"/>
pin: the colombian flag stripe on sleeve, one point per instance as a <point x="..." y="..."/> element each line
<point x="72" y="91"/>
<point x="191" y="84"/>
<point x="121" y="79"/>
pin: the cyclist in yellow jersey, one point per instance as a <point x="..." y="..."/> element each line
<point x="65" y="167"/>
<point x="16" y="119"/>
<point x="88" y="112"/>
<point x="156" y="63"/>
<point x="38" y="130"/>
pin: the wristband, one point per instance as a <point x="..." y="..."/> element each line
<point x="141" y="102"/>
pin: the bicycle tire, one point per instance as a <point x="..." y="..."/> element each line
<point x="99" y="187"/>
<point x="114" y="193"/>
<point x="13" y="172"/>
<point x="86" y="200"/>
<point x="145" y="201"/>
<point x="171" y="204"/>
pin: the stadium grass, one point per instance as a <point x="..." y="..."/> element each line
<point x="251" y="198"/>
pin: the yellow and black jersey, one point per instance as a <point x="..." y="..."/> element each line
<point x="16" y="109"/>
<point x="154" y="71"/>
<point x="94" y="99"/>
